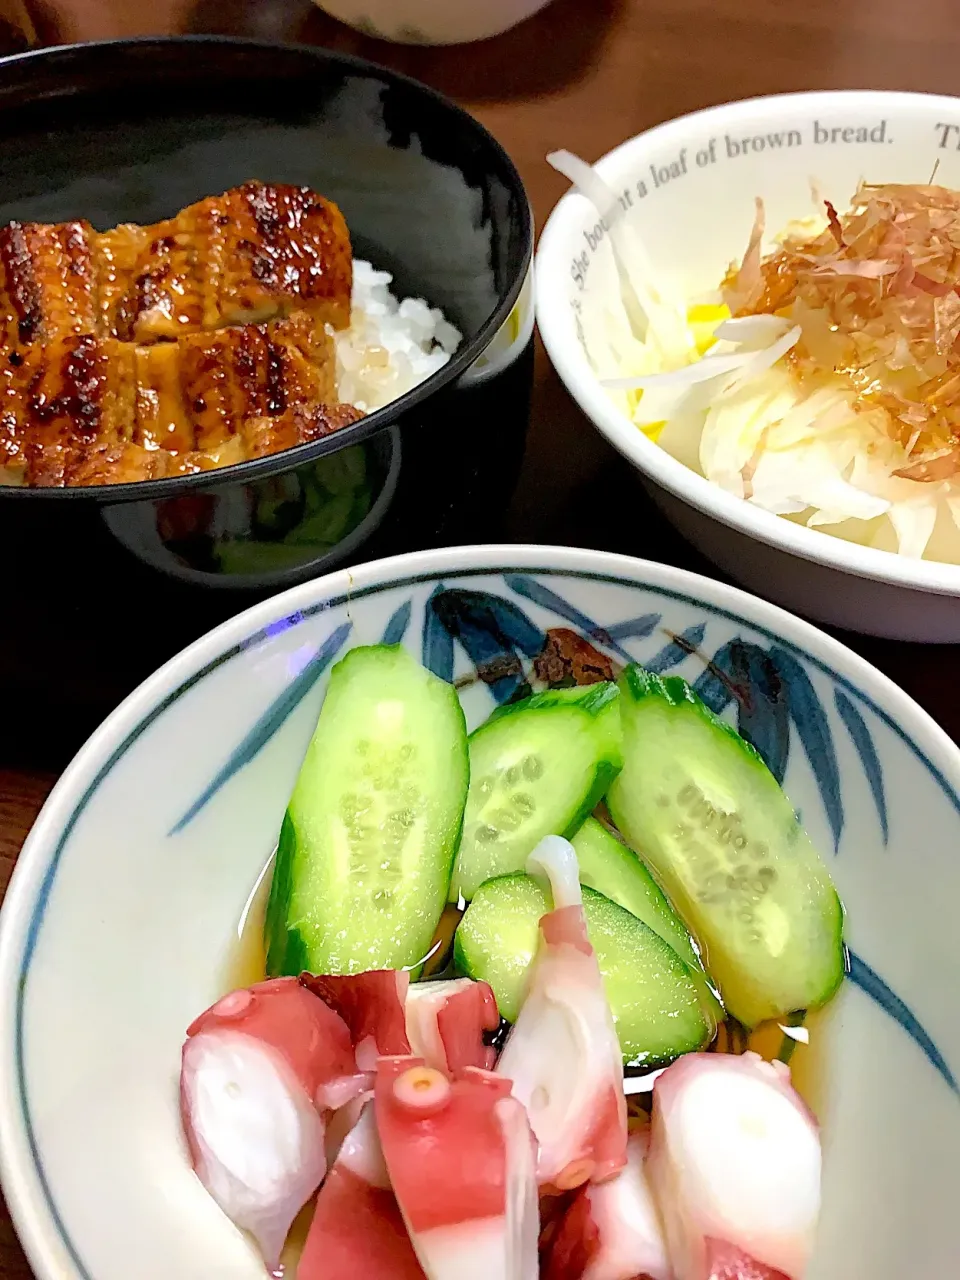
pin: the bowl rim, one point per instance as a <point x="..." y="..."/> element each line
<point x="44" y="1237"/>
<point x="371" y="424"/>
<point x="569" y="360"/>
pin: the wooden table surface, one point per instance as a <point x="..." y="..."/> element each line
<point x="583" y="74"/>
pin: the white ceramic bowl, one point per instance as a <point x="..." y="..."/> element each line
<point x="696" y="220"/>
<point x="431" y="21"/>
<point x="123" y="910"/>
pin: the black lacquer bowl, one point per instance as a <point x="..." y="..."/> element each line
<point x="100" y="585"/>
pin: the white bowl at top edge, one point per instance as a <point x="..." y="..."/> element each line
<point x="695" y="223"/>
<point x="123" y="909"/>
<point x="431" y="22"/>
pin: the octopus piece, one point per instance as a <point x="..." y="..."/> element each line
<point x="357" y="1229"/>
<point x="562" y="1055"/>
<point x="612" y="1231"/>
<point x="372" y="1006"/>
<point x="447" y="1023"/>
<point x="262" y="1070"/>
<point x="461" y="1160"/>
<point x="735" y="1166"/>
<point x="442" y="1022"/>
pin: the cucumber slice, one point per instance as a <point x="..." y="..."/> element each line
<point x="368" y="840"/>
<point x="654" y="997"/>
<point x="724" y="842"/>
<point x="613" y="869"/>
<point x="537" y="768"/>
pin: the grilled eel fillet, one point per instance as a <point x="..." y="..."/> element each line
<point x="151" y="351"/>
<point x="255" y="253"/>
<point x="71" y="410"/>
<point x="125" y="463"/>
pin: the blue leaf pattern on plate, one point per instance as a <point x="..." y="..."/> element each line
<point x="714" y="685"/>
<point x="467" y="617"/>
<point x="548" y="599"/>
<point x="635" y="628"/>
<point x="437" y="641"/>
<point x="862" y="740"/>
<point x="743" y="673"/>
<point x="396" y="628"/>
<point x="813" y="727"/>
<point x="869" y="981"/>
<point x="507" y="620"/>
<point x="678" y="650"/>
<point x="491" y="630"/>
<point x="763" y="715"/>
<point x="270" y="721"/>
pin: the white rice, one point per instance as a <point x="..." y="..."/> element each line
<point x="390" y="346"/>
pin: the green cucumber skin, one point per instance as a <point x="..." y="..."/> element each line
<point x="655" y="998"/>
<point x="592" y="713"/>
<point x="592" y="698"/>
<point x="286" y="950"/>
<point x="771" y="935"/>
<point x="612" y="868"/>
<point x="326" y="907"/>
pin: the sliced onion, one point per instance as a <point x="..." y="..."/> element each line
<point x="702" y="371"/>
<point x="745" y="364"/>
<point x="606" y="201"/>
<point x="649" y="307"/>
<point x="588" y="182"/>
<point x="913" y="524"/>
<point x="760" y="361"/>
<point x="751" y="328"/>
<point x="953" y="506"/>
<point x="824" y="412"/>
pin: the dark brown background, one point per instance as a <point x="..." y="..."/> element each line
<point x="583" y="74"/>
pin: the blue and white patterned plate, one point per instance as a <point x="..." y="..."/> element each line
<point x="124" y="909"/>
